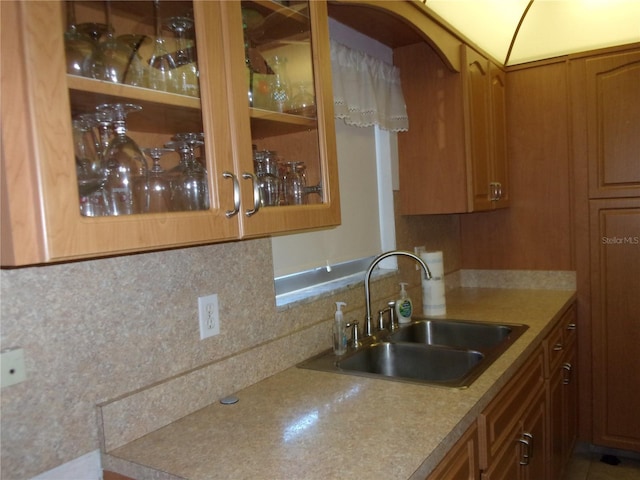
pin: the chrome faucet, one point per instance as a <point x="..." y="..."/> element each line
<point x="367" y="280"/>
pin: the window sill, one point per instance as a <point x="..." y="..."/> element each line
<point x="315" y="292"/>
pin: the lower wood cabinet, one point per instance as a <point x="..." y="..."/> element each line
<point x="528" y="430"/>
<point x="513" y="428"/>
<point x="562" y="392"/>
<point x="462" y="461"/>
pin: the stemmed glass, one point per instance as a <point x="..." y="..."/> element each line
<point x="159" y="183"/>
<point x="127" y="173"/>
<point x="93" y="30"/>
<point x="184" y="58"/>
<point x="111" y="59"/>
<point x="136" y="72"/>
<point x="190" y="186"/>
<point x="78" y="46"/>
<point x="162" y="65"/>
<point x="90" y="175"/>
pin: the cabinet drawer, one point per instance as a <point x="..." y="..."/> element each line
<point x="500" y="418"/>
<point x="561" y="337"/>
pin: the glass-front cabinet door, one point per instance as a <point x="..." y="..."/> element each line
<point x="283" y="114"/>
<point x="140" y="125"/>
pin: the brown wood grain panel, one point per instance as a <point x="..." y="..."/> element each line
<point x="431" y="153"/>
<point x="615" y="303"/>
<point x="535" y="233"/>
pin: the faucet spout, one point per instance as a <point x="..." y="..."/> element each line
<point x="367" y="282"/>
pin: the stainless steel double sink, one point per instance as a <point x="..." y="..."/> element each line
<point x="448" y="353"/>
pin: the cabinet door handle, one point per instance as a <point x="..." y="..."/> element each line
<point x="567" y="370"/>
<point x="256" y="194"/>
<point x="236" y="194"/>
<point x="499" y="191"/>
<point x="493" y="191"/>
<point x="526" y="443"/>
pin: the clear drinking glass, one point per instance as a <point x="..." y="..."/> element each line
<point x="161" y="63"/>
<point x="94" y="30"/>
<point x="189" y="178"/>
<point x="126" y="185"/>
<point x="136" y="72"/>
<point x="79" y="47"/>
<point x="186" y="71"/>
<point x="303" y="102"/>
<point x="91" y="176"/>
<point x="160" y="190"/>
<point x="111" y="58"/>
<point x="295" y="183"/>
<point x="266" y="168"/>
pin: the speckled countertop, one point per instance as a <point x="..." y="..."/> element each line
<point x="304" y="424"/>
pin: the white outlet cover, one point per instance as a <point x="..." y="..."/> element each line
<point x="208" y="316"/>
<point x="12" y="368"/>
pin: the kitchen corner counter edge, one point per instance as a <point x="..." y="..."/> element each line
<point x="317" y="425"/>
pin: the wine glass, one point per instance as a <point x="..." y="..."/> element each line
<point x="136" y="72"/>
<point x="184" y="57"/>
<point x="161" y="63"/>
<point x="112" y="57"/>
<point x="93" y="30"/>
<point x="127" y="173"/>
<point x="159" y="182"/>
<point x="90" y="175"/>
<point x="190" y="185"/>
<point x="78" y="46"/>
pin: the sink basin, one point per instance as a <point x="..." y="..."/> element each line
<point x="456" y="333"/>
<point x="449" y="353"/>
<point x="413" y="361"/>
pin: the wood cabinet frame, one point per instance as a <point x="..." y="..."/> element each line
<point x="40" y="218"/>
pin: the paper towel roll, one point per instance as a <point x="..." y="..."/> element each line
<point x="433" y="297"/>
<point x="435" y="262"/>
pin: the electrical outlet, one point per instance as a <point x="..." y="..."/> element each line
<point x="12" y="369"/>
<point x="208" y="316"/>
<point x="418" y="251"/>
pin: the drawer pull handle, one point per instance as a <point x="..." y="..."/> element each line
<point x="526" y="443"/>
<point x="572" y="326"/>
<point x="567" y="370"/>
<point x="558" y="347"/>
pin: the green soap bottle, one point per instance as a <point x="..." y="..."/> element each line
<point x="404" y="305"/>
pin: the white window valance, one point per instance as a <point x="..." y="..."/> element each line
<point x="366" y="90"/>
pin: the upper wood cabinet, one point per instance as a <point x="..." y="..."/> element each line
<point x="612" y="101"/>
<point x="41" y="219"/>
<point x="453" y="158"/>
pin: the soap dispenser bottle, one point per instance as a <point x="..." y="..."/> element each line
<point x="404" y="305"/>
<point x="339" y="331"/>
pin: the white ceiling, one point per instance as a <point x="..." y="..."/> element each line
<point x="549" y="28"/>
